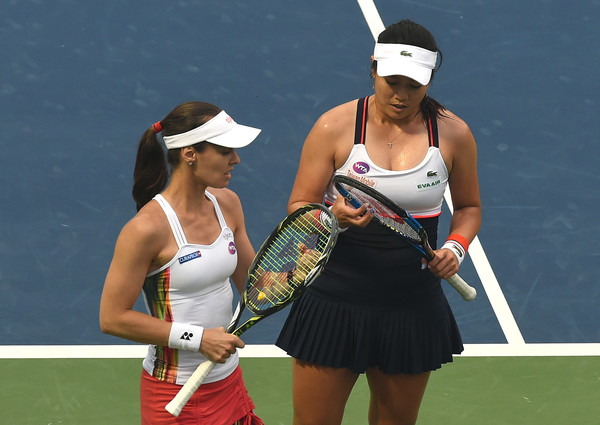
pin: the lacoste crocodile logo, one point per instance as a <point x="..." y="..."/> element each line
<point x="431" y="173"/>
<point x="405" y="53"/>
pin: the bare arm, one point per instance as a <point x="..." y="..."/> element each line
<point x="464" y="188"/>
<point x="326" y="149"/>
<point x="123" y="284"/>
<point x="122" y="287"/>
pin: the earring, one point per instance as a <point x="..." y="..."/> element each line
<point x="191" y="163"/>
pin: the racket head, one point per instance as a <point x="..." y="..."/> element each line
<point x="385" y="211"/>
<point x="395" y="218"/>
<point x="290" y="259"/>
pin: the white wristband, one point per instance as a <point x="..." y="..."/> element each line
<point x="185" y="337"/>
<point x="340" y="229"/>
<point x="456" y="249"/>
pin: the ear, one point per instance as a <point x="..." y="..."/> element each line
<point x="188" y="154"/>
<point x="372" y="67"/>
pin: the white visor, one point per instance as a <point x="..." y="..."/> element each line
<point x="221" y="130"/>
<point x="403" y="59"/>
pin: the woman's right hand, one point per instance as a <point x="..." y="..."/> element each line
<point x="348" y="216"/>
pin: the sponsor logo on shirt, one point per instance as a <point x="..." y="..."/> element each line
<point x="189" y="257"/>
<point x="232" y="248"/>
<point x="428" y="185"/>
<point x="361" y="167"/>
<point x="363" y="179"/>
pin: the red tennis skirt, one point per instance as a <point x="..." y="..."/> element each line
<point x="225" y="402"/>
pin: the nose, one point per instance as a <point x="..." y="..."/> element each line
<point x="401" y="92"/>
<point x="235" y="158"/>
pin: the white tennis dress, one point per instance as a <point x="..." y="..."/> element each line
<point x="193" y="288"/>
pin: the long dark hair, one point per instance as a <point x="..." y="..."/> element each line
<point x="409" y="32"/>
<point x="151" y="173"/>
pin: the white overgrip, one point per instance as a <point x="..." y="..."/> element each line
<point x="189" y="388"/>
<point x="464" y="289"/>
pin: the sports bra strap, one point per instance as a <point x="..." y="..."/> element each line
<point x="432" y="129"/>
<point x="173" y="220"/>
<point x="360" y="130"/>
<point x="217" y="209"/>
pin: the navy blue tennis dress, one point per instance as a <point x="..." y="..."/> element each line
<point x="373" y="305"/>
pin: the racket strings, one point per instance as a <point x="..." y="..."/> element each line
<point x="286" y="261"/>
<point x="386" y="215"/>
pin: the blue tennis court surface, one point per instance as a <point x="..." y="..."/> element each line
<point x="81" y="81"/>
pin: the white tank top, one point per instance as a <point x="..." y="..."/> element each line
<point x="193" y="288"/>
<point x="420" y="190"/>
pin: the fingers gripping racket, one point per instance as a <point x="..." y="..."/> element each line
<point x="286" y="263"/>
<point x="393" y="217"/>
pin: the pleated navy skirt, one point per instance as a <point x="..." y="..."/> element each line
<point x="373" y="306"/>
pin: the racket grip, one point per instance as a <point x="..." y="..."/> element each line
<point x="463" y="288"/>
<point x="189" y="388"/>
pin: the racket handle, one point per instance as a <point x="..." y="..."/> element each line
<point x="464" y="289"/>
<point x="189" y="388"/>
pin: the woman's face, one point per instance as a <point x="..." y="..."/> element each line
<point x="398" y="96"/>
<point x="215" y="164"/>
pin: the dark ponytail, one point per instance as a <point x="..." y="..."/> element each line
<point x="151" y="173"/>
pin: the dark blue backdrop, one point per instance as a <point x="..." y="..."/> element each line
<point x="82" y="80"/>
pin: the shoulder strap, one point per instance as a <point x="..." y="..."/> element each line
<point x="360" y="130"/>
<point x="432" y="129"/>
<point x="217" y="209"/>
<point x="173" y="220"/>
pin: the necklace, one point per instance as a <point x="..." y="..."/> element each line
<point x="390" y="142"/>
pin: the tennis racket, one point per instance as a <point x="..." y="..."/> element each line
<point x="387" y="213"/>
<point x="287" y="262"/>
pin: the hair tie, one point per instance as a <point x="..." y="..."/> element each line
<point x="157" y="127"/>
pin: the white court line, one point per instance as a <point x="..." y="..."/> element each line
<point x="482" y="266"/>
<point x="271" y="351"/>
<point x="372" y="17"/>
<point x="492" y="287"/>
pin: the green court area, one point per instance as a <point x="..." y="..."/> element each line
<point x="472" y="390"/>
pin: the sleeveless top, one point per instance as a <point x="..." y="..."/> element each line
<point x="420" y="190"/>
<point x="373" y="305"/>
<point x="192" y="288"/>
<point x="371" y="266"/>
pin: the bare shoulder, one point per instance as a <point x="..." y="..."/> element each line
<point x="230" y="205"/>
<point x="457" y="144"/>
<point x="149" y="228"/>
<point x="150" y="222"/>
<point x="454" y="129"/>
<point x="337" y="119"/>
<point x="227" y="198"/>
<point x="330" y="139"/>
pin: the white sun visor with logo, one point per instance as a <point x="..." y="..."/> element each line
<point x="403" y="59"/>
<point x="221" y="130"/>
